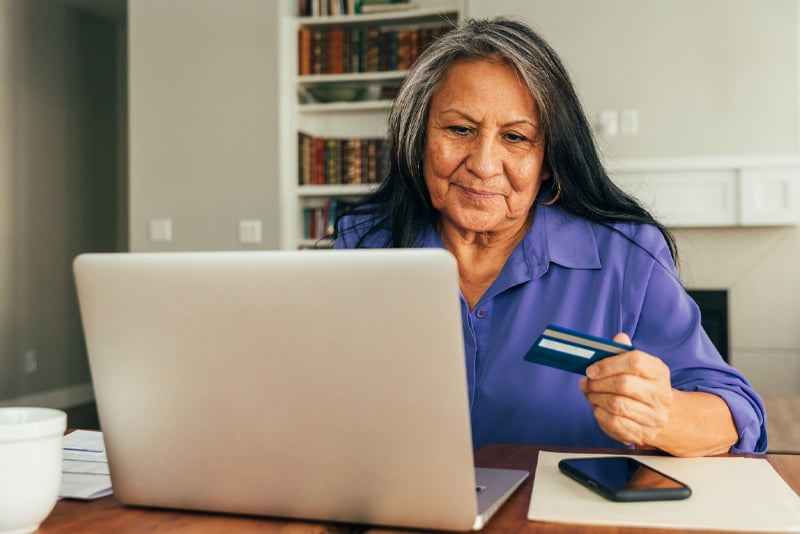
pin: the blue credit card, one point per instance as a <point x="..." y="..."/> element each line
<point x="571" y="350"/>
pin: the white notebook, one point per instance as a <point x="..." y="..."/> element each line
<point x="728" y="493"/>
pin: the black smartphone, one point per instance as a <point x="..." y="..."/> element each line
<point x="622" y="478"/>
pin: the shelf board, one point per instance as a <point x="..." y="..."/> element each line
<point x="335" y="190"/>
<point x="352" y="77"/>
<point x="366" y="105"/>
<point x="393" y="18"/>
<point x="315" y="243"/>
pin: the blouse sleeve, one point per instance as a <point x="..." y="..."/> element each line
<point x="668" y="326"/>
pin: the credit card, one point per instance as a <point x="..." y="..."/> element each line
<point x="570" y="350"/>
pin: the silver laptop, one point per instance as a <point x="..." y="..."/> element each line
<point x="324" y="385"/>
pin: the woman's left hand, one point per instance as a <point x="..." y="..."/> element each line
<point x="631" y="394"/>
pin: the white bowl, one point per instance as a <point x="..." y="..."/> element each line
<point x="31" y="452"/>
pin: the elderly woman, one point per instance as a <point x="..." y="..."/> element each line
<point x="492" y="158"/>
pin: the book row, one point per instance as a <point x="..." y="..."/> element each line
<point x="344" y="50"/>
<point x="334" y="161"/>
<point x="319" y="221"/>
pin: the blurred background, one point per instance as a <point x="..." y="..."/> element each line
<point x="155" y="125"/>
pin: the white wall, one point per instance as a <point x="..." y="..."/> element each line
<point x="203" y="121"/>
<point x="709" y="77"/>
<point x="58" y="184"/>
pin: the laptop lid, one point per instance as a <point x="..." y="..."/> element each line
<point x="324" y="385"/>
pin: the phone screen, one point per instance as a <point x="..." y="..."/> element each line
<point x="622" y="478"/>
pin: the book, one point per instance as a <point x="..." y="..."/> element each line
<point x="304" y="47"/>
<point x="334" y="52"/>
<point x="318" y="51"/>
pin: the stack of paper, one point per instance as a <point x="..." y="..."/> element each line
<point x="85" y="473"/>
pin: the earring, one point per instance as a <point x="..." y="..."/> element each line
<point x="555" y="197"/>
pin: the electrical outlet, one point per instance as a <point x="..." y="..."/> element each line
<point x="160" y="230"/>
<point x="250" y="231"/>
<point x="30" y="361"/>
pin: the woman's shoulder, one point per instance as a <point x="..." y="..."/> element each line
<point x="361" y="227"/>
<point x="644" y="243"/>
<point x="642" y="234"/>
<point x="619" y="234"/>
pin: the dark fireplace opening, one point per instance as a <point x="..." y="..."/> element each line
<point x="714" y="312"/>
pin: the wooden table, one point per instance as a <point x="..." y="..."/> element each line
<point x="107" y="515"/>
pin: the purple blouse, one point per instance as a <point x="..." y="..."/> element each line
<point x="595" y="278"/>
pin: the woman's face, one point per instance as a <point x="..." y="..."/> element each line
<point x="484" y="151"/>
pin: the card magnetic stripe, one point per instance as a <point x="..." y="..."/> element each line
<point x="585" y="340"/>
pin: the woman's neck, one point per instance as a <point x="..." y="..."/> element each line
<point x="480" y="255"/>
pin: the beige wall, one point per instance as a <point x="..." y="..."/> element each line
<point x="710" y="77"/>
<point x="58" y="182"/>
<point x="203" y="121"/>
<point x="7" y="363"/>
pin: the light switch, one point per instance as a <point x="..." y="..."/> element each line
<point x="608" y="123"/>
<point x="250" y="231"/>
<point x="30" y="361"/>
<point x="160" y="230"/>
<point x="629" y="121"/>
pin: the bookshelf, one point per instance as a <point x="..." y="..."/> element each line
<point x="337" y="80"/>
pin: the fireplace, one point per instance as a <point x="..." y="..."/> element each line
<point x="714" y="311"/>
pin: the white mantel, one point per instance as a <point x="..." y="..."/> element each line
<point x="715" y="191"/>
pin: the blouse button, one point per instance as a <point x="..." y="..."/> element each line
<point x="481" y="313"/>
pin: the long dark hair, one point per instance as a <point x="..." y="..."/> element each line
<point x="401" y="206"/>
